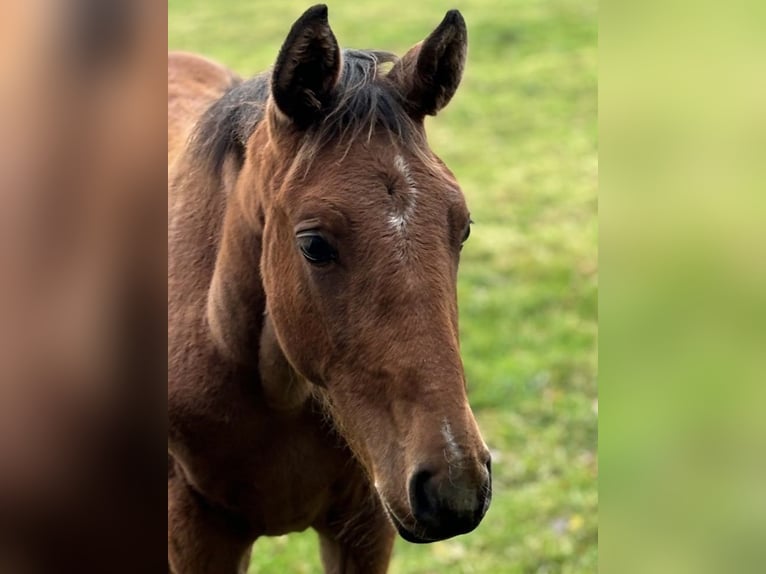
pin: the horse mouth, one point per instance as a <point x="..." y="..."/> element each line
<point x="406" y="533"/>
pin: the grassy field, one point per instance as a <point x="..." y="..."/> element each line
<point x="521" y="137"/>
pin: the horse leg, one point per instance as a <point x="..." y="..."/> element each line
<point x="201" y="538"/>
<point x="357" y="542"/>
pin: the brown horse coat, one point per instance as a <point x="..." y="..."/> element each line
<point x="314" y="377"/>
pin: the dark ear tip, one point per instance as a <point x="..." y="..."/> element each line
<point x="454" y="18"/>
<point x="317" y="12"/>
<point x="454" y="23"/>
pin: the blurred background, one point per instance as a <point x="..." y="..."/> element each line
<point x="682" y="216"/>
<point x="82" y="286"/>
<point x="521" y="137"/>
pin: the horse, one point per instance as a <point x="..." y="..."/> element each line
<point x="314" y="372"/>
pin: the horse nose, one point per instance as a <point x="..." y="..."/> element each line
<point x="445" y="505"/>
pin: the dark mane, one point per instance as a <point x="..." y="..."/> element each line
<point x="225" y="127"/>
<point x="364" y="102"/>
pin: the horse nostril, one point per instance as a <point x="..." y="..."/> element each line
<point x="486" y="497"/>
<point x="422" y="498"/>
<point x="486" y="458"/>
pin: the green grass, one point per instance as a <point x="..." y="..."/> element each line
<point x="521" y="137"/>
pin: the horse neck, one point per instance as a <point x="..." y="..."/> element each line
<point x="236" y="303"/>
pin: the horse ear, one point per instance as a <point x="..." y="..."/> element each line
<point x="307" y="68"/>
<point x="428" y="75"/>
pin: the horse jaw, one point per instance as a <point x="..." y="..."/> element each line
<point x="284" y="389"/>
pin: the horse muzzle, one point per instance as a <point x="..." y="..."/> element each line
<point x="444" y="504"/>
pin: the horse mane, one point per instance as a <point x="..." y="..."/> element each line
<point x="364" y="101"/>
<point x="223" y="130"/>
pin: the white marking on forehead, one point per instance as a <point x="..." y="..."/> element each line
<point x="401" y="165"/>
<point x="400" y="220"/>
<point x="452" y="450"/>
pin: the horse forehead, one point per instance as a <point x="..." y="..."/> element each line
<point x="401" y="183"/>
<point x="424" y="173"/>
<point x="421" y="183"/>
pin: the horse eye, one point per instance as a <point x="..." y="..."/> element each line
<point x="316" y="249"/>
<point x="466" y="234"/>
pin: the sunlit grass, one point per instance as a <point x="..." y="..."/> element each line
<point x="521" y="137"/>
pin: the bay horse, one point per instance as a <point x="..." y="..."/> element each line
<point x="314" y="373"/>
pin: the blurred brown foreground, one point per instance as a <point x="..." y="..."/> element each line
<point x="82" y="288"/>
